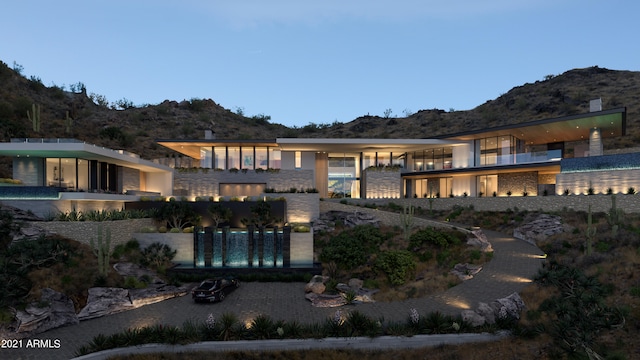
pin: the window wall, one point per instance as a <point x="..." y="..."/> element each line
<point x="220" y="158"/>
<point x="275" y="158"/>
<point x="433" y="159"/>
<point x="487" y="185"/>
<point x="496" y="150"/>
<point x="206" y="157"/>
<point x="344" y="175"/>
<point x="247" y="158"/>
<point x="61" y="172"/>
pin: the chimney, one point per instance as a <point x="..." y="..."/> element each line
<point x="595" y="105"/>
<point x="209" y="135"/>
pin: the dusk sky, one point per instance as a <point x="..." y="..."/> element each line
<point x="315" y="61"/>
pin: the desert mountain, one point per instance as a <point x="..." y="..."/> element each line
<point x="60" y="113"/>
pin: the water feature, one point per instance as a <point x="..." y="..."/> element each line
<point x="242" y="248"/>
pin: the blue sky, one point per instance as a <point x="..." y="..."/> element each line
<point x="315" y="61"/>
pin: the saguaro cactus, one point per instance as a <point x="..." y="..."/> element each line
<point x="614" y="217"/>
<point x="34" y="116"/>
<point x="68" y="123"/>
<point x="407" y="220"/>
<point x="102" y="250"/>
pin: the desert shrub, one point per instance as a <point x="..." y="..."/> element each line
<point x="396" y="265"/>
<point x="157" y="256"/>
<point x="351" y="248"/>
<point x="431" y="236"/>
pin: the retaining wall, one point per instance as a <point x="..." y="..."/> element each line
<point x="599" y="203"/>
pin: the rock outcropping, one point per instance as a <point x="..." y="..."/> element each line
<point x="57" y="311"/>
<point x="509" y="307"/>
<point x="327" y="220"/>
<point x="543" y="226"/>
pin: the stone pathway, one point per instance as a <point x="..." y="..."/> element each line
<point x="513" y="267"/>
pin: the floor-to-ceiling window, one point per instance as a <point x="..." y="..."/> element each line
<point x="220" y="158"/>
<point x="206" y="157"/>
<point x="275" y="158"/>
<point x="487" y="185"/>
<point x="344" y="175"/>
<point x="61" y="172"/>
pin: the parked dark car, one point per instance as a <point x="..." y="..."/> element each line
<point x="212" y="290"/>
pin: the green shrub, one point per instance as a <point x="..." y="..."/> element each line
<point x="157" y="256"/>
<point x="397" y="265"/>
<point x="352" y="247"/>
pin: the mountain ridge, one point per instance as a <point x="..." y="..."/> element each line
<point x="120" y="125"/>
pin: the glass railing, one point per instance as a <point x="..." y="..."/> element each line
<point x="523" y="158"/>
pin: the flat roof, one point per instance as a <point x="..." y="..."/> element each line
<point x="612" y="123"/>
<point x="69" y="148"/>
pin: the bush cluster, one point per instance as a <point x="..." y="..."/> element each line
<point x="229" y="328"/>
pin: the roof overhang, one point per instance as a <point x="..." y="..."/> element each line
<point x="612" y="123"/>
<point x="80" y="150"/>
<point x="192" y="148"/>
<point x="360" y="145"/>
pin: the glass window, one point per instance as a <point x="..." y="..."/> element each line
<point x="247" y="157"/>
<point x="234" y="158"/>
<point x="383" y="159"/>
<point x="61" y="172"/>
<point x="397" y="159"/>
<point x="261" y="158"/>
<point x="344" y="175"/>
<point x="205" y="157"/>
<point x="368" y="159"/>
<point x="220" y="157"/>
<point x="83" y="175"/>
<point x="275" y="158"/>
<point x="298" y="159"/>
<point x="487" y="185"/>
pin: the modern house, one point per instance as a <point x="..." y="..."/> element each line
<point x="66" y="174"/>
<point x="542" y="157"/>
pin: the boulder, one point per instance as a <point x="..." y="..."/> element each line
<point x="58" y="312"/>
<point x="327" y="220"/>
<point x="154" y="294"/>
<point x="473" y="318"/>
<point x="478" y="239"/>
<point x="325" y="301"/>
<point x="486" y="312"/>
<point x="316" y="285"/>
<point x="508" y="307"/>
<point x="465" y="271"/>
<point x="355" y="284"/>
<point x="543" y="226"/>
<point x="104" y="301"/>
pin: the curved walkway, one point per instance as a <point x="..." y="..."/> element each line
<point x="513" y="266"/>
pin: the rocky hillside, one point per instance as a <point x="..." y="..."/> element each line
<point x="75" y="114"/>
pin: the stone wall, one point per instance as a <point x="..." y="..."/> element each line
<point x="517" y="183"/>
<point x="301" y="249"/>
<point x="302" y="208"/>
<point x="83" y="231"/>
<point x="599" y="203"/>
<point x="50" y="208"/>
<point x="207" y="183"/>
<point x="600" y="181"/>
<point x="380" y="183"/>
